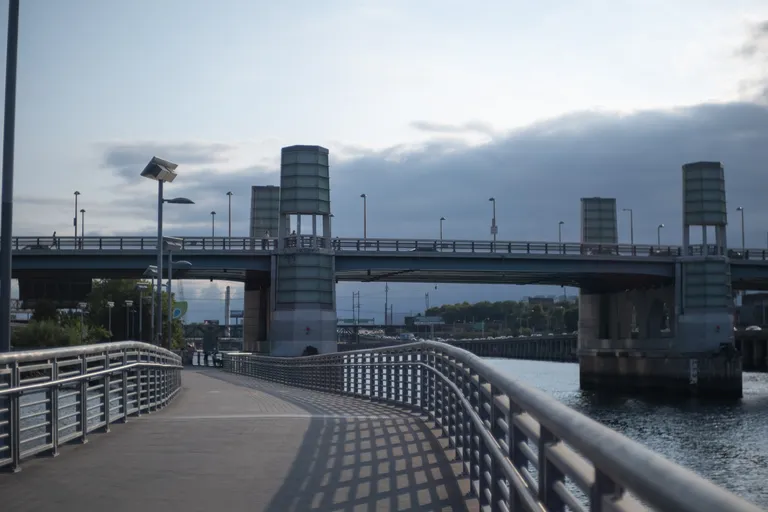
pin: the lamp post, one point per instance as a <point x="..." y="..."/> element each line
<point x="141" y="287"/>
<point x="82" y="228"/>
<point x="560" y="232"/>
<point x="170" y="244"/>
<point x="365" y="216"/>
<point x="442" y="219"/>
<point x="128" y="305"/>
<point x="82" y="306"/>
<point x="161" y="171"/>
<point x="229" y="214"/>
<point x="494" y="228"/>
<point x="658" y="235"/>
<point x="110" y="305"/>
<point x="74" y="221"/>
<point x="213" y="224"/>
<point x="743" y="243"/>
<point x="9" y="138"/>
<point x="631" y="225"/>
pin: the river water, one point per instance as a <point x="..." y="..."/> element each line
<point x="726" y="443"/>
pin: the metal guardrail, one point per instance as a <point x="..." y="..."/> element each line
<point x="54" y="396"/>
<point x="520" y="448"/>
<point x="425" y="246"/>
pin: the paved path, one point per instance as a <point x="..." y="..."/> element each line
<point x="230" y="443"/>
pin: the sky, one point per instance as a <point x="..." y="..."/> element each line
<point x="427" y="107"/>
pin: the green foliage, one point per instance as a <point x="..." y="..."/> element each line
<point x="45" y="333"/>
<point x="512" y="317"/>
<point x="45" y="310"/>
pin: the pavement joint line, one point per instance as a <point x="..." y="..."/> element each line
<point x="279" y="416"/>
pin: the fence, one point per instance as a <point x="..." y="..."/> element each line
<point x="520" y="448"/>
<point x="54" y="396"/>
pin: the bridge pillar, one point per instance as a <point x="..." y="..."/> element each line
<point x="256" y="312"/>
<point x="303" y="273"/>
<point x="265" y="211"/>
<point x="696" y="355"/>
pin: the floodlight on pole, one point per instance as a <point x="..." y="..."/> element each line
<point x="141" y="287"/>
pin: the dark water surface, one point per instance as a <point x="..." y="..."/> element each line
<point x="724" y="442"/>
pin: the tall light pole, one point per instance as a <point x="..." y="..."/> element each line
<point x="494" y="228"/>
<point x="82" y="306"/>
<point x="658" y="235"/>
<point x="560" y="232"/>
<point x="171" y="264"/>
<point x="74" y="221"/>
<point x="128" y="305"/>
<point x="141" y="287"/>
<point x="365" y="216"/>
<point x="9" y="139"/>
<point x="631" y="225"/>
<point x="82" y="228"/>
<point x="743" y="243"/>
<point x="442" y="219"/>
<point x="229" y="213"/>
<point x="161" y="171"/>
<point x="110" y="305"/>
<point x="213" y="224"/>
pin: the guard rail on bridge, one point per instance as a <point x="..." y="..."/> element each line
<point x="521" y="448"/>
<point x="53" y="396"/>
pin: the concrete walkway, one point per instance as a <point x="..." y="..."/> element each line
<point x="230" y="444"/>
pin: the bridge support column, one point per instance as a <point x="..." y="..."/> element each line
<point x="256" y="313"/>
<point x="696" y="356"/>
<point x="303" y="275"/>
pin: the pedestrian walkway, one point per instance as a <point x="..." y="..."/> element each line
<point x="231" y="443"/>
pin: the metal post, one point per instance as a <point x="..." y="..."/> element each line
<point x="560" y="232"/>
<point x="442" y="219"/>
<point x="365" y="216"/>
<point x="213" y="226"/>
<point x="141" y="315"/>
<point x="170" y="299"/>
<point x="127" y="321"/>
<point x="77" y="193"/>
<point x="631" y="228"/>
<point x="743" y="243"/>
<point x="82" y="228"/>
<point x="494" y="230"/>
<point x="229" y="214"/>
<point x="109" y="322"/>
<point x="159" y="286"/>
<point x="152" y="318"/>
<point x="9" y="139"/>
<point x="658" y="235"/>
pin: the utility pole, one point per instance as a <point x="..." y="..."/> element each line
<point x="391" y="314"/>
<point x="354" y="305"/>
<point x="386" y="302"/>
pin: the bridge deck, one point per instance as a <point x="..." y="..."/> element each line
<point x="238" y="444"/>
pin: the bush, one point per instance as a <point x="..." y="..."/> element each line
<point x="46" y="333"/>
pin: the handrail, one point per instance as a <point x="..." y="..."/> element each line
<point x="418" y="247"/>
<point x="49" y="397"/>
<point x="521" y="448"/>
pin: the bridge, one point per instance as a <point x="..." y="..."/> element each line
<point x="423" y="426"/>
<point x="603" y="266"/>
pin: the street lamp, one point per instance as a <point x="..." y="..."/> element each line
<point x="658" y="235"/>
<point x="631" y="225"/>
<point x="110" y="305"/>
<point x="743" y="243"/>
<point x="141" y="287"/>
<point x="229" y="214"/>
<point x="213" y="224"/>
<point x="9" y="138"/>
<point x="560" y="232"/>
<point x="170" y="244"/>
<point x="365" y="216"/>
<point x="494" y="228"/>
<point x="82" y="306"/>
<point x="74" y="221"/>
<point x="128" y="305"/>
<point x="442" y="219"/>
<point x="161" y="171"/>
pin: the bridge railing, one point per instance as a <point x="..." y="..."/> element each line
<point x="139" y="243"/>
<point x="521" y="448"/>
<point x="53" y="396"/>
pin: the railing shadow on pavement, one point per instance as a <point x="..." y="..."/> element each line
<point x="359" y="455"/>
<point x="520" y="448"/>
<point x="50" y="397"/>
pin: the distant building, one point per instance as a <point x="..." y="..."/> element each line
<point x="753" y="310"/>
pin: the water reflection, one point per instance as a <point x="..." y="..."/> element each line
<point x="724" y="442"/>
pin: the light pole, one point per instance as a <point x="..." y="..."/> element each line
<point x="82" y="228"/>
<point x="9" y="138"/>
<point x="494" y="228"/>
<point x="141" y="287"/>
<point x="213" y="224"/>
<point x="365" y="216"/>
<point x="77" y="193"/>
<point x="110" y="305"/>
<point x="442" y="219"/>
<point x="161" y="171"/>
<point x="560" y="232"/>
<point x="182" y="264"/>
<point x="658" y="235"/>
<point x="743" y="243"/>
<point x="82" y="306"/>
<point x="229" y="214"/>
<point x="128" y="305"/>
<point x="631" y="225"/>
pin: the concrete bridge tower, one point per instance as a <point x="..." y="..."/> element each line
<point x="303" y="269"/>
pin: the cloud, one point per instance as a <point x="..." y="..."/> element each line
<point x="468" y="127"/>
<point x="755" y="52"/>
<point x="128" y="159"/>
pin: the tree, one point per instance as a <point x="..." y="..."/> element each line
<point x="45" y="310"/>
